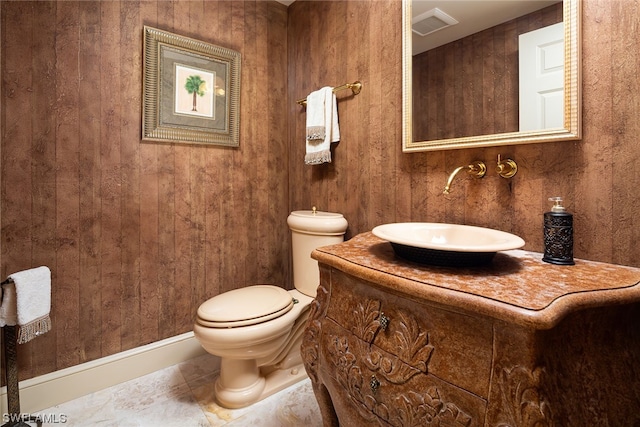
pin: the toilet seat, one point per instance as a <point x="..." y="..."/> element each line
<point x="245" y="306"/>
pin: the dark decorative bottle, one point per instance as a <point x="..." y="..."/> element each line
<point x="558" y="234"/>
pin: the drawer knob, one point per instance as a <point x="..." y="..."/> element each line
<point x="374" y="384"/>
<point x="384" y="322"/>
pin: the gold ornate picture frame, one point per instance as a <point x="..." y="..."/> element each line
<point x="191" y="91"/>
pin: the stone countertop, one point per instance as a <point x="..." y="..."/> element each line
<point x="517" y="287"/>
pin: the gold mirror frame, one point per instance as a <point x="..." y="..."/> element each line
<point x="572" y="94"/>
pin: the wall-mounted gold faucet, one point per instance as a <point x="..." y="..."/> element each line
<point x="506" y="168"/>
<point x="476" y="169"/>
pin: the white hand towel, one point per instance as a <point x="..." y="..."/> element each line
<point x="26" y="301"/>
<point x="316" y="129"/>
<point x="322" y="126"/>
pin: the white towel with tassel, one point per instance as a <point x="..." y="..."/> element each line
<point x="322" y="126"/>
<point x="26" y="302"/>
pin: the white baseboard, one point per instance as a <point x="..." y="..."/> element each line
<point x="71" y="383"/>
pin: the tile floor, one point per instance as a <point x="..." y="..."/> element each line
<point x="182" y="395"/>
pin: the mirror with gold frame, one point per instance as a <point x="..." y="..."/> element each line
<point x="571" y="129"/>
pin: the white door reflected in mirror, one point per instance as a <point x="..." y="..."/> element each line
<point x="541" y="71"/>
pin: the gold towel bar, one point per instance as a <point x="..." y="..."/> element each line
<point x="355" y="88"/>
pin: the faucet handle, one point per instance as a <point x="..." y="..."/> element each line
<point x="477" y="169"/>
<point x="506" y="168"/>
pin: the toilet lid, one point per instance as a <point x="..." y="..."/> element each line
<point x="245" y="306"/>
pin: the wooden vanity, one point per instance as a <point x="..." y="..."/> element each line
<point x="516" y="343"/>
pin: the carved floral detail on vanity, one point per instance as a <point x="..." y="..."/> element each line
<point x="311" y="337"/>
<point x="366" y="320"/>
<point x="523" y="401"/>
<point x="396" y="408"/>
<point x="350" y="377"/>
<point x="419" y="409"/>
<point x="410" y="343"/>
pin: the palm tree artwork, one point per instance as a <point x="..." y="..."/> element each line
<point x="197" y="86"/>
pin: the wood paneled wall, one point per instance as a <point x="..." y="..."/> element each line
<point x="331" y="43"/>
<point x="470" y="86"/>
<point x="372" y="182"/>
<point x="137" y="235"/>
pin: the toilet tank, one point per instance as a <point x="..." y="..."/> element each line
<point x="310" y="230"/>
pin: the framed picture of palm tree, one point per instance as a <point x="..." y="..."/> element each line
<point x="191" y="91"/>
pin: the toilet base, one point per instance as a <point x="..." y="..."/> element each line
<point x="261" y="388"/>
<point x="251" y="371"/>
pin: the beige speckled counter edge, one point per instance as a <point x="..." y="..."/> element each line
<point x="517" y="287"/>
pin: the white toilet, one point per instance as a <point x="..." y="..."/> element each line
<point x="257" y="330"/>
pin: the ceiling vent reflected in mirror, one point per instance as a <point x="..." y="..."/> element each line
<point x="431" y="21"/>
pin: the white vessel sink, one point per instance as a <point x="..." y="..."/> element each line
<point x="446" y="244"/>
